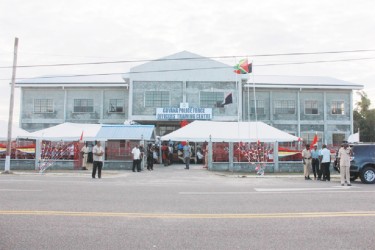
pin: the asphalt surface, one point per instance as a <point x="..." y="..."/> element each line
<point x="174" y="208"/>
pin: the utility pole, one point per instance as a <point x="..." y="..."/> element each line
<point x="11" y="104"/>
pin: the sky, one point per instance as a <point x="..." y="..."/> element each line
<point x="78" y="31"/>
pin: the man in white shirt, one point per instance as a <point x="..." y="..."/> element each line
<point x="325" y="159"/>
<point x="136" y="152"/>
<point x="187" y="154"/>
<point x="98" y="157"/>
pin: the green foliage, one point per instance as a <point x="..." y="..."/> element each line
<point x="364" y="118"/>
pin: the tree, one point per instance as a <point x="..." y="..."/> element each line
<point x="364" y="118"/>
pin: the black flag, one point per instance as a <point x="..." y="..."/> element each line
<point x="228" y="100"/>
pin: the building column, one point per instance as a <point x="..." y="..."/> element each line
<point x="130" y="102"/>
<point x="102" y="107"/>
<point x="299" y="113"/>
<point x="325" y="128"/>
<point x="65" y="103"/>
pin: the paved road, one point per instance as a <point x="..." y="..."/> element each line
<point x="173" y="208"/>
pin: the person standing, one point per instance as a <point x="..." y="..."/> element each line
<point x="205" y="151"/>
<point x="136" y="152"/>
<point x="187" y="154"/>
<point x="325" y="159"/>
<point x="150" y="157"/>
<point x="344" y="160"/>
<point x="165" y="154"/>
<point x="84" y="153"/>
<point x="98" y="155"/>
<point x="306" y="158"/>
<point x="315" y="162"/>
<point x="170" y="153"/>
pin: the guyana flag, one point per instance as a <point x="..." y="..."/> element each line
<point x="243" y="67"/>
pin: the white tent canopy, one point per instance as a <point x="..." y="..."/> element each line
<point x="200" y="131"/>
<point x="67" y="132"/>
<point x="16" y="131"/>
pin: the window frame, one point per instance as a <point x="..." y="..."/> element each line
<point x="287" y="103"/>
<point x="252" y="107"/>
<point x="311" y="108"/>
<point x="82" y="107"/>
<point x="343" y="107"/>
<point x="46" y="106"/>
<point x="156" y="102"/>
<point x="116" y="106"/>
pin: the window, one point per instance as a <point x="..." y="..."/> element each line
<point x="156" y="98"/>
<point x="260" y="107"/>
<point x="311" y="107"/>
<point x="285" y="107"/>
<point x="211" y="99"/>
<point x="116" y="106"/>
<point x="43" y="106"/>
<point x="337" y="108"/>
<point x="337" y="139"/>
<point x="83" y="105"/>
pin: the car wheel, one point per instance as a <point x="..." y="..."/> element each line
<point x="368" y="175"/>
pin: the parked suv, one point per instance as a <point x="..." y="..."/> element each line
<point x="362" y="163"/>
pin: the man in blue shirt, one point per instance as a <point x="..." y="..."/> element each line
<point x="315" y="162"/>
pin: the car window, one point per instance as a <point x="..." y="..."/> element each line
<point x="364" y="150"/>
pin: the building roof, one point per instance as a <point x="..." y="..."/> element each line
<point x="69" y="80"/>
<point x="321" y="82"/>
<point x="187" y="66"/>
<point x="182" y="66"/>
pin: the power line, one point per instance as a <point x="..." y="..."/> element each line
<point x="192" y="69"/>
<point x="189" y="58"/>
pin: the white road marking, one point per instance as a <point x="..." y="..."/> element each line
<point x="300" y="189"/>
<point x="21" y="190"/>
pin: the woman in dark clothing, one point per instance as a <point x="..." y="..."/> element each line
<point x="150" y="157"/>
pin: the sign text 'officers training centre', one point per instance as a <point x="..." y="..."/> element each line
<point x="183" y="113"/>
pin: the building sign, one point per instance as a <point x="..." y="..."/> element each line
<point x="183" y="113"/>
